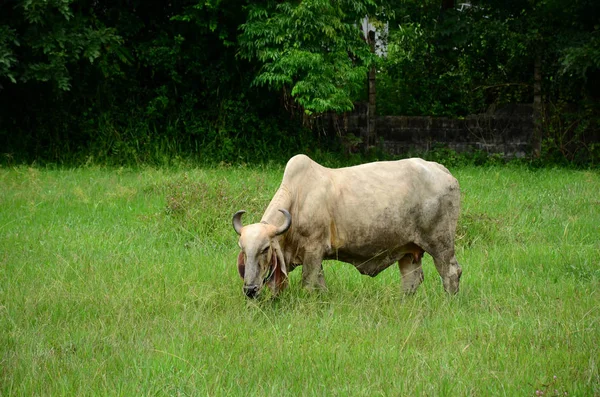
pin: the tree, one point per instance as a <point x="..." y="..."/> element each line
<point x="131" y="81"/>
<point x="133" y="77"/>
<point x="312" y="50"/>
<point x="450" y="60"/>
<point x="41" y="40"/>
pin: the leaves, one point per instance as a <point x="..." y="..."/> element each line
<point x="53" y="38"/>
<point x="313" y="47"/>
<point x="72" y="68"/>
<point x="8" y="60"/>
<point x="582" y="57"/>
<point x="480" y="55"/>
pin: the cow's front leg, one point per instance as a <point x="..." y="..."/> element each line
<point x="412" y="273"/>
<point x="312" y="273"/>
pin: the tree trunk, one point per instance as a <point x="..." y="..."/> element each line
<point x="536" y="138"/>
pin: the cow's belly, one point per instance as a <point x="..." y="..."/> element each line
<point x="373" y="260"/>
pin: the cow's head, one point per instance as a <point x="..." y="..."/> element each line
<point x="260" y="260"/>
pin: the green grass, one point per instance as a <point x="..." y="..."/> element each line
<point x="123" y="282"/>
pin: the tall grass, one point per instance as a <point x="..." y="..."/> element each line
<point x="123" y="282"/>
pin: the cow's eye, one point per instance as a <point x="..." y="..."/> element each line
<point x="265" y="250"/>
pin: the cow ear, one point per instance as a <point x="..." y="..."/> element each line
<point x="273" y="282"/>
<point x="280" y="261"/>
<point x="280" y="275"/>
<point x="241" y="265"/>
<point x="280" y="278"/>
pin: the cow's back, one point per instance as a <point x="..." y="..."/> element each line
<point x="369" y="205"/>
<point x="384" y="201"/>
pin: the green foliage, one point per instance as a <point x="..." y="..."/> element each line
<point x="314" y="49"/>
<point x="167" y="86"/>
<point x="476" y="57"/>
<point x="47" y="38"/>
<point x="8" y="39"/>
<point x="586" y="56"/>
<point x="569" y="136"/>
<point x="151" y="81"/>
<point x="413" y="81"/>
<point x="450" y="158"/>
<point x="454" y="63"/>
<point x="468" y="58"/>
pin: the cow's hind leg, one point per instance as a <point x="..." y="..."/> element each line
<point x="412" y="273"/>
<point x="449" y="269"/>
<point x="312" y="273"/>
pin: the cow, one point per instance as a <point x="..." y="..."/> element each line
<point x="371" y="216"/>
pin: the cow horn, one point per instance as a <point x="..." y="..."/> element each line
<point x="237" y="221"/>
<point x="288" y="222"/>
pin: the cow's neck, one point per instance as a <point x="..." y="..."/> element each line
<point x="281" y="200"/>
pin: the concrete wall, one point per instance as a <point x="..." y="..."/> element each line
<point x="506" y="131"/>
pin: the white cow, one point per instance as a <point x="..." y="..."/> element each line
<point x="369" y="215"/>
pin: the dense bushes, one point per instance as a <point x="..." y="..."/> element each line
<point x="238" y="80"/>
<point x="134" y="82"/>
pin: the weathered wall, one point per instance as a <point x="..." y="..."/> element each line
<point x="506" y="131"/>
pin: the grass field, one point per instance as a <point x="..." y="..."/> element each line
<point x="123" y="282"/>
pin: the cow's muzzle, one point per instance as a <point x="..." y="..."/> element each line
<point x="251" y="291"/>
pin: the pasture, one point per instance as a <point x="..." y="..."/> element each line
<point x="123" y="282"/>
